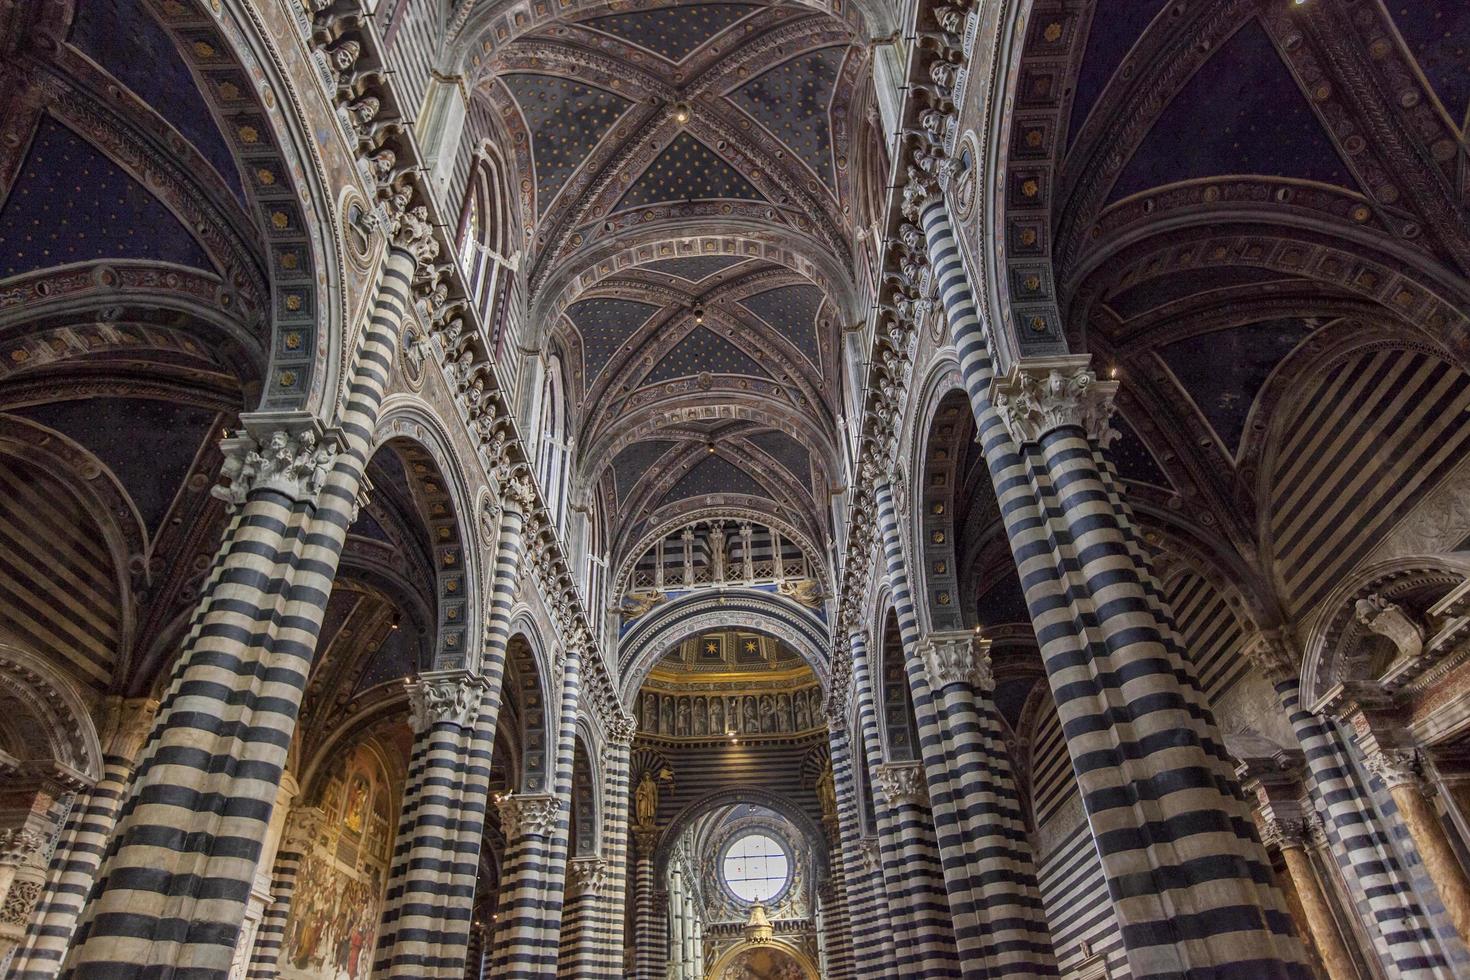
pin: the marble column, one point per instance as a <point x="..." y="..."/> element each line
<point x="32" y="801"/>
<point x="125" y="725"/>
<point x="650" y="930"/>
<point x="178" y="856"/>
<point x="586" y="881"/>
<point x="530" y="823"/>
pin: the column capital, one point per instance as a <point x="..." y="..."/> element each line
<point x="410" y="231"/>
<point x="587" y="875"/>
<point x="528" y="814"/>
<point x="444" y="695"/>
<point x="1045" y="393"/>
<point x="20" y="846"/>
<point x="287" y="452"/>
<point x="621" y="730"/>
<point x="1271" y="652"/>
<point x="126" y="723"/>
<point x="869" y="855"/>
<point x="1281" y="833"/>
<point x="645" y="841"/>
<point x="958" y="657"/>
<point x="902" y="783"/>
<point x="1398" y="767"/>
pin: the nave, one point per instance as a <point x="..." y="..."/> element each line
<point x="734" y="489"/>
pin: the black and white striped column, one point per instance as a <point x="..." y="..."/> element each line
<point x="529" y="822"/>
<point x="867" y="909"/>
<point x="919" y="911"/>
<point x="1398" y="924"/>
<point x="1190" y="882"/>
<point x="580" y="939"/>
<point x="608" y="919"/>
<point x="78" y="854"/>
<point x="172" y="887"/>
<point x="650" y="924"/>
<point x="999" y="860"/>
<point x="304" y="827"/>
<point x="429" y="902"/>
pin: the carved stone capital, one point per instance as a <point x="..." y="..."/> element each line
<point x="1045" y="393"/>
<point x="902" y="783"/>
<point x="1285" y="833"/>
<point x="305" y="827"/>
<point x="587" y="875"/>
<point x="410" y="230"/>
<point x="126" y="723"/>
<point x="20" y="846"/>
<point x="870" y="858"/>
<point x="621" y="730"/>
<point x="959" y="657"/>
<point x="528" y="815"/>
<point x="518" y="492"/>
<point x="1397" y="767"/>
<point x="1270" y="652"/>
<point x="284" y="452"/>
<point x="448" y="696"/>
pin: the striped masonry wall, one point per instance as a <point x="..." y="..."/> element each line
<point x="867" y="908"/>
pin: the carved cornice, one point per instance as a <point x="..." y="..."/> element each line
<point x="1040" y="395"/>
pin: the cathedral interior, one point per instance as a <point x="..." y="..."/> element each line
<point x="734" y="489"/>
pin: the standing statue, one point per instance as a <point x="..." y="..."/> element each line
<point x="827" y="792"/>
<point x="645" y="801"/>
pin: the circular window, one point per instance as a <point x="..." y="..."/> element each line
<point x="756" y="868"/>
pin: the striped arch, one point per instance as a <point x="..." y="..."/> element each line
<point x="731" y="797"/>
<point x="899" y="728"/>
<point x="752" y="609"/>
<point x="437" y="482"/>
<point x="941" y="433"/>
<point x="587" y="812"/>
<point x="46" y="718"/>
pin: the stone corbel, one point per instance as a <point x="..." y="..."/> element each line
<point x="958" y="657"/>
<point x="1041" y="394"/>
<point x="440" y="696"/>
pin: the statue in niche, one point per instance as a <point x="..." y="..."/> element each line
<point x="650" y="712"/>
<point x="666" y="726"/>
<point x="783" y="712"/>
<point x="717" y="716"/>
<point x="827" y="792"/>
<point x="769" y="721"/>
<point x="752" y="715"/>
<point x="682" y="725"/>
<point x="645" y="801"/>
<point x="701" y="717"/>
<point x="803" y="715"/>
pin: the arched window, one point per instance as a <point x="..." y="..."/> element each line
<point x="486" y="239"/>
<point x="553" y="449"/>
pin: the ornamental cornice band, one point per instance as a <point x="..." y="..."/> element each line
<point x="1046" y="393"/>
<point x="528" y="815"/>
<point x="958" y="658"/>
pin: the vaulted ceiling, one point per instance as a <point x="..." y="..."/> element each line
<point x="686" y="185"/>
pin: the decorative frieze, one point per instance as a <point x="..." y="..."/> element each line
<point x="1045" y="393"/>
<point x="957" y="658"/>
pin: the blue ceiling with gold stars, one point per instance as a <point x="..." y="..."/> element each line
<point x="1438" y="33"/>
<point x="791" y="100"/>
<point x="566" y="119"/>
<point x="704" y="350"/>
<point x="673" y="32"/>
<point x="634" y="461"/>
<point x="1116" y="25"/>
<point x="1150" y="294"/>
<point x="605" y="324"/>
<point x="1223" y="371"/>
<point x="695" y="268"/>
<point x="1259" y="123"/>
<point x="687" y="170"/>
<point x="788" y="452"/>
<point x="792" y="311"/>
<point x="712" y="475"/>
<point x="1132" y="459"/>
<point x="70" y="203"/>
<point x="122" y="37"/>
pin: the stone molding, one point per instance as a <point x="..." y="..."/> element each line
<point x="452" y="696"/>
<point x="960" y="657"/>
<point x="1041" y="394"/>
<point x="902" y="783"/>
<point x="528" y="815"/>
